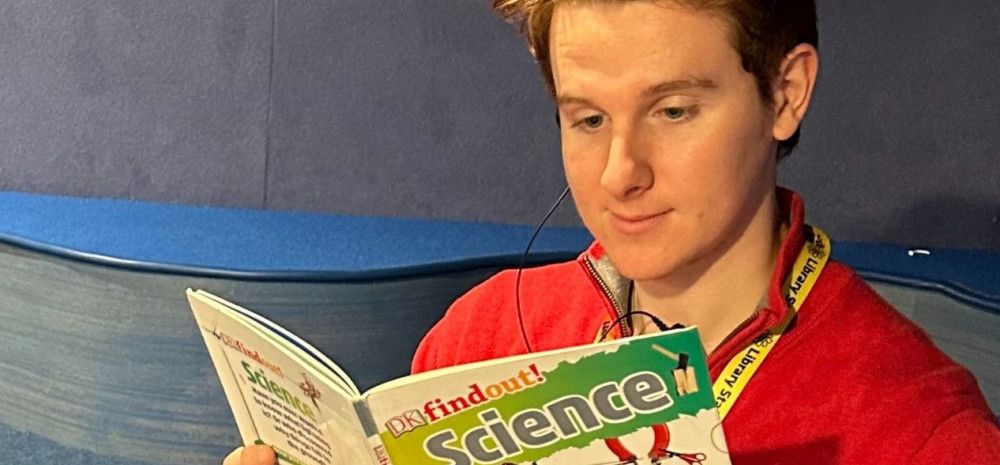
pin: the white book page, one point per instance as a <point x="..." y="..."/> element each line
<point x="290" y="340"/>
<point x="278" y="400"/>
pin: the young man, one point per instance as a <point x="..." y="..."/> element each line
<point x="673" y="117"/>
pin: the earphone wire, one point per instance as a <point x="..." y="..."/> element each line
<point x="660" y="325"/>
<point x="524" y="260"/>
<point x="629" y="312"/>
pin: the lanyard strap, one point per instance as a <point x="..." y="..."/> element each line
<point x="737" y="373"/>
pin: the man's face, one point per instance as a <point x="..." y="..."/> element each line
<point x="666" y="143"/>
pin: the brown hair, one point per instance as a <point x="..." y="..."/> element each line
<point x="763" y="32"/>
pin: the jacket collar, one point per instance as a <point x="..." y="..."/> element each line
<point x="773" y="309"/>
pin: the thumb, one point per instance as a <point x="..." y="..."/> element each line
<point x="258" y="455"/>
<point x="251" y="455"/>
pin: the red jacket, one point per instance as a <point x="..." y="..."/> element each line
<point x="851" y="382"/>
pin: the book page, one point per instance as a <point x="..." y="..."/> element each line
<point x="276" y="398"/>
<point x="644" y="400"/>
<point x="285" y="338"/>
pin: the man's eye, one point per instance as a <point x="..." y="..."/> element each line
<point x="675" y="113"/>
<point x="593" y="122"/>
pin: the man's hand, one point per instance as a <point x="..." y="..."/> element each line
<point x="251" y="455"/>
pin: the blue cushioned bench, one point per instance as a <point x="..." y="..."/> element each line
<point x="101" y="361"/>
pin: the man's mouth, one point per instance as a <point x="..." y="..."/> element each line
<point x="634" y="224"/>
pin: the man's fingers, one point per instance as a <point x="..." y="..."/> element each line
<point x="251" y="455"/>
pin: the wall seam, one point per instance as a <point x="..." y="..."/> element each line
<point x="270" y="104"/>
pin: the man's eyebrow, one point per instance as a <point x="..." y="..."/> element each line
<point x="676" y="85"/>
<point x="567" y="99"/>
<point x="664" y="87"/>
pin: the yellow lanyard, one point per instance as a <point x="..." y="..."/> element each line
<point x="741" y="368"/>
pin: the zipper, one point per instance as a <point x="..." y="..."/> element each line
<point x="736" y="331"/>
<point x="607" y="293"/>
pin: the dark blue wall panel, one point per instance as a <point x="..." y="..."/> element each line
<point x="903" y="141"/>
<point x="163" y="100"/>
<point x="434" y="109"/>
<point x="419" y="109"/>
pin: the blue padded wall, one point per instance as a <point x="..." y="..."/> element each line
<point x="101" y="362"/>
<point x="102" y="365"/>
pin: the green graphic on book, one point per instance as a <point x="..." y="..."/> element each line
<point x="533" y="415"/>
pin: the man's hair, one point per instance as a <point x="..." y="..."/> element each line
<point x="763" y="32"/>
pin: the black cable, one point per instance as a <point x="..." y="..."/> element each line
<point x="524" y="259"/>
<point x="656" y="321"/>
<point x="629" y="312"/>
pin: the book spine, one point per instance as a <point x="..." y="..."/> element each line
<point x="379" y="455"/>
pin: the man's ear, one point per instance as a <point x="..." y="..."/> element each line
<point x="793" y="89"/>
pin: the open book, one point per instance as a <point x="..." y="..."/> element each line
<point x="642" y="400"/>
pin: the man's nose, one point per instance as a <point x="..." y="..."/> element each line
<point x="627" y="172"/>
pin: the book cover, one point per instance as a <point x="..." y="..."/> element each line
<point x="640" y="400"/>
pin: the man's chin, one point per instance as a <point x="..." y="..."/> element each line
<point x="643" y="269"/>
<point x="643" y="274"/>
